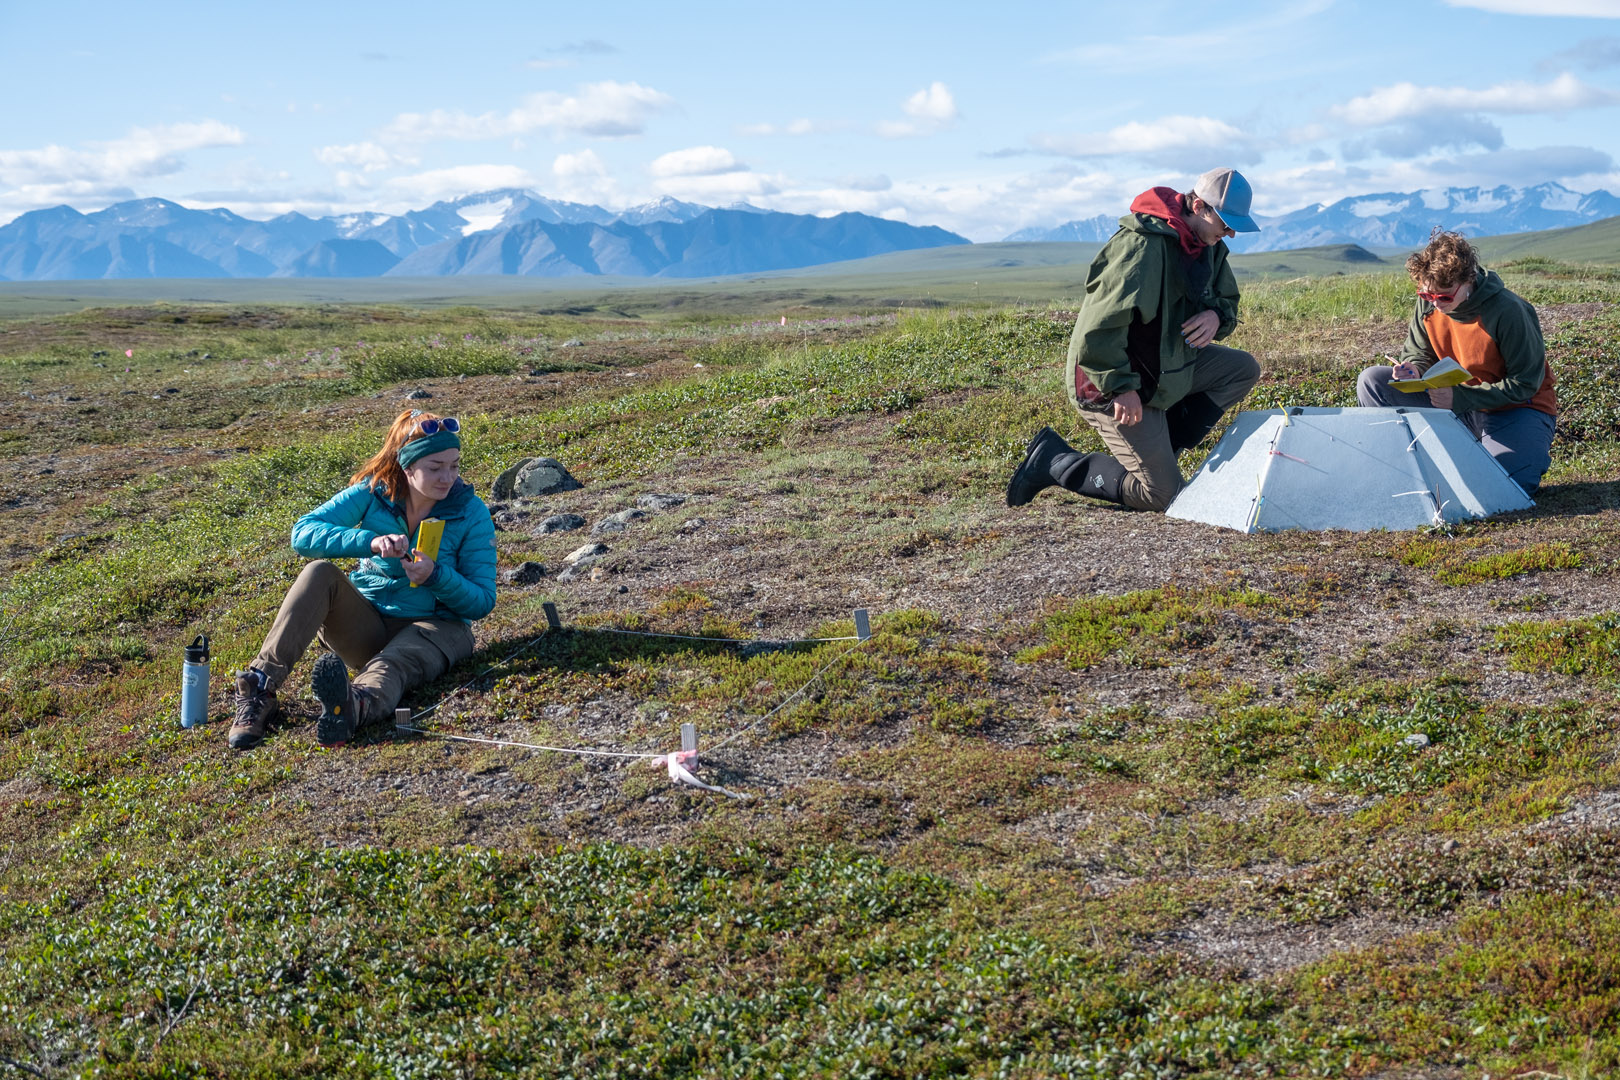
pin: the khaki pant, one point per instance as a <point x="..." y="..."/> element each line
<point x="1224" y="375"/>
<point x="392" y="655"/>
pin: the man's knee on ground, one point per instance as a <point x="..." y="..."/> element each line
<point x="1151" y="494"/>
<point x="1370" y="384"/>
<point x="1247" y="368"/>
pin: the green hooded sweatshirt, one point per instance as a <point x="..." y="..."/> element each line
<point x="1137" y="297"/>
<point x="1496" y="336"/>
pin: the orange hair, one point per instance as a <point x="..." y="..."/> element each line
<point x="383" y="469"/>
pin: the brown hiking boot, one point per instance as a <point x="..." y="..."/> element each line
<point x="344" y="707"/>
<point x="254" y="708"/>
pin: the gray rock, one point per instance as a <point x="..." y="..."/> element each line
<point x="579" y="569"/>
<point x="572" y="343"/>
<point x="693" y="524"/>
<point x="1417" y="739"/>
<point x="524" y="574"/>
<point x="616" y="523"/>
<point x="543" y="476"/>
<point x="418" y="395"/>
<point x="588" y="551"/>
<point x="560" y="523"/>
<point x="503" y="483"/>
<point x="655" y="501"/>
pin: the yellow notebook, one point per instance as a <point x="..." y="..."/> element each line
<point x="428" y="535"/>
<point x="1446" y="372"/>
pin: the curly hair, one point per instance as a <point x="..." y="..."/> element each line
<point x="383" y="470"/>
<point x="1447" y="260"/>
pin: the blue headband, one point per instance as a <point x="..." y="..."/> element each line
<point x="419" y="448"/>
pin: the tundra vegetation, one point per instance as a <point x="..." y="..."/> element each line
<point x="1104" y="795"/>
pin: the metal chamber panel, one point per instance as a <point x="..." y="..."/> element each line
<point x="1355" y="469"/>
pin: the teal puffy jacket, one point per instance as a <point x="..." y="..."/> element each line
<point x="463" y="582"/>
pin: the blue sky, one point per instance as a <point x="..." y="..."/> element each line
<point x="981" y="118"/>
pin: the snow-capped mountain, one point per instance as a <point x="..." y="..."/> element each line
<point x="508" y="231"/>
<point x="1393" y="219"/>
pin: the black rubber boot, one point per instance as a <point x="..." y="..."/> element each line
<point x="1098" y="475"/>
<point x="1190" y="419"/>
<point x="1046" y="458"/>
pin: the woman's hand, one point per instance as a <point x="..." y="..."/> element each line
<point x="393" y="546"/>
<point x="1404" y="370"/>
<point x="419" y="568"/>
<point x="1199" y="330"/>
<point x="1440" y="398"/>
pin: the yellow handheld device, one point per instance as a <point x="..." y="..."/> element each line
<point x="428" y="535"/>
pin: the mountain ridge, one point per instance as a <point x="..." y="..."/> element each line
<point x="502" y="231"/>
<point x="1389" y="219"/>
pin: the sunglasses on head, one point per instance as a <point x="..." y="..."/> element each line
<point x="1438" y="297"/>
<point x="428" y="427"/>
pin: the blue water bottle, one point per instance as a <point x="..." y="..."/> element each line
<point x="194" y="684"/>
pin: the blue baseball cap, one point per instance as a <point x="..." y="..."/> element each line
<point x="1230" y="196"/>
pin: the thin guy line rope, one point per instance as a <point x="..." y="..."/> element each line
<point x="783" y="704"/>
<point x="859" y="641"/>
<point x="527" y="746"/>
<point x="723" y="640"/>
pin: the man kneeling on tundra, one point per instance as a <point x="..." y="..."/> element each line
<point x="1143" y="369"/>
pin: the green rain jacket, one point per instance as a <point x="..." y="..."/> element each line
<point x="1128" y="333"/>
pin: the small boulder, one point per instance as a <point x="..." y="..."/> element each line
<point x="560" y="523"/>
<point x="524" y="574"/>
<point x="543" y="476"/>
<point x="503" y="483"/>
<point x="655" y="501"/>
<point x="418" y="395"/>
<point x="579" y="569"/>
<point x="617" y="523"/>
<point x="531" y="478"/>
<point x="588" y="551"/>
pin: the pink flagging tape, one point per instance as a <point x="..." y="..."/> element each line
<point x="676" y="764"/>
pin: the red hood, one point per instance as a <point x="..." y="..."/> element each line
<point x="1166" y="203"/>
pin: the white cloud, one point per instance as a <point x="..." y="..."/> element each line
<point x="144" y="152"/>
<point x="573" y="166"/>
<point x="876" y="182"/>
<point x="1154" y="137"/>
<point x="1170" y="142"/>
<point x="460" y="180"/>
<point x="1590" y="9"/>
<point x="1593" y="54"/>
<point x="365" y="156"/>
<point x="1231" y="42"/>
<point x="933" y="103"/>
<point x="696" y="161"/>
<point x="930" y="109"/>
<point x="720" y="188"/>
<point x="1408" y="100"/>
<point x="583" y="177"/>
<point x="604" y="110"/>
<point x="801" y="126"/>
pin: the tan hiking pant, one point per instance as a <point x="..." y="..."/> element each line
<point x="392" y="655"/>
<point x="1225" y="375"/>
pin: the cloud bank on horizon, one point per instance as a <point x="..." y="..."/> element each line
<point x="982" y="122"/>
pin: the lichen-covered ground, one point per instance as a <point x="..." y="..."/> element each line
<point x="1105" y="794"/>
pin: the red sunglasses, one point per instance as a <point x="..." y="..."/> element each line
<point x="1438" y="297"/>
